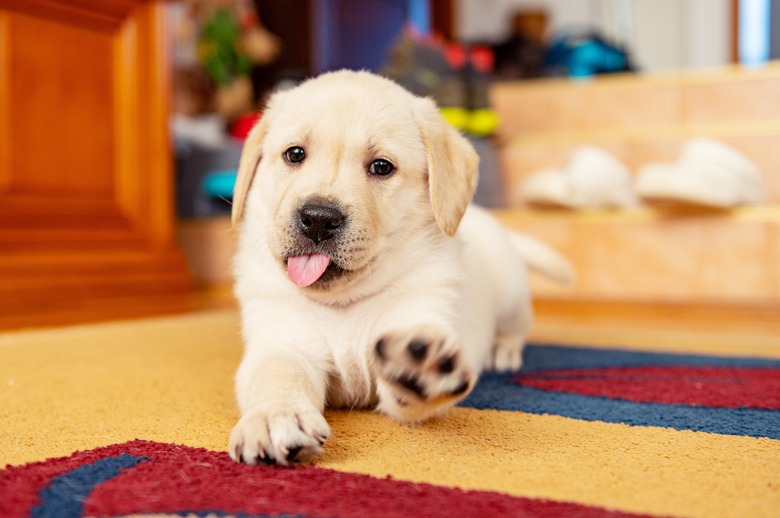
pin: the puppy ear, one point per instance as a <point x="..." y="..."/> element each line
<point x="250" y="157"/>
<point x="452" y="167"/>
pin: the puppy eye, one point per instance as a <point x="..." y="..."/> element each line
<point x="381" y="167"/>
<point x="295" y="155"/>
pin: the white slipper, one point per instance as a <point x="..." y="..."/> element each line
<point x="592" y="179"/>
<point x="708" y="173"/>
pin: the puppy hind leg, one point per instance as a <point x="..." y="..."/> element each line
<point x="511" y="335"/>
<point x="508" y="352"/>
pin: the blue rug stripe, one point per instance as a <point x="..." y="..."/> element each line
<point x="540" y="357"/>
<point x="498" y="392"/>
<point x="65" y="496"/>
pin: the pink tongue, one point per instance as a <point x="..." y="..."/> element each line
<point x="304" y="270"/>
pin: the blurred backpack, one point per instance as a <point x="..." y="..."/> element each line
<point x="584" y="53"/>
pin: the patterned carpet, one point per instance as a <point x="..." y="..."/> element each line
<point x="132" y="418"/>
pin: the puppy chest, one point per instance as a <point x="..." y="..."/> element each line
<point x="350" y="383"/>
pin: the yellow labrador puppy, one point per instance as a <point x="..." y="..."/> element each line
<point x="364" y="277"/>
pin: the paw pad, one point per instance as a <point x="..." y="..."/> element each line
<point x="418" y="349"/>
<point x="446" y="365"/>
<point x="423" y="367"/>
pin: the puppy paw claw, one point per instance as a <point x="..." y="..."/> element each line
<point x="278" y="437"/>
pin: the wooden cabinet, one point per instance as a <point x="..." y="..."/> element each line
<point x="86" y="203"/>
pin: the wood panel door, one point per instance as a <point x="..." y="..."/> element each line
<point x="86" y="203"/>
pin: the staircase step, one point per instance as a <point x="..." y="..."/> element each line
<point x="758" y="140"/>
<point x="628" y="101"/>
<point x="643" y="255"/>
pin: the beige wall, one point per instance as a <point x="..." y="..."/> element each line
<point x="661" y="34"/>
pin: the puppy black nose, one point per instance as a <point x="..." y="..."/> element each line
<point x="319" y="221"/>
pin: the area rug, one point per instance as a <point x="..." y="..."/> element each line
<point x="132" y="418"/>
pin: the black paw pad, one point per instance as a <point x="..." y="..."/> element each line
<point x="266" y="459"/>
<point x="447" y="365"/>
<point x="460" y="389"/>
<point x="418" y="349"/>
<point x="292" y="453"/>
<point x="412" y="383"/>
<point x="380" y="349"/>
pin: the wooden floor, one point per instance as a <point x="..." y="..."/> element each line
<point x="670" y="327"/>
<point x="680" y="327"/>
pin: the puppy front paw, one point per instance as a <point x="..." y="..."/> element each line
<point x="420" y="373"/>
<point x="278" y="437"/>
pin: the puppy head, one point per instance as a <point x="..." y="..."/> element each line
<point x="344" y="166"/>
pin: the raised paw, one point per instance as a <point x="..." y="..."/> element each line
<point x="278" y="437"/>
<point x="420" y="372"/>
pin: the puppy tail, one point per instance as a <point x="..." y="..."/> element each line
<point x="543" y="259"/>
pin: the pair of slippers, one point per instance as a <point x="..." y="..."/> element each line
<point x="708" y="174"/>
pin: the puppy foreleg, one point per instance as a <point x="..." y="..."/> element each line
<point x="282" y="399"/>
